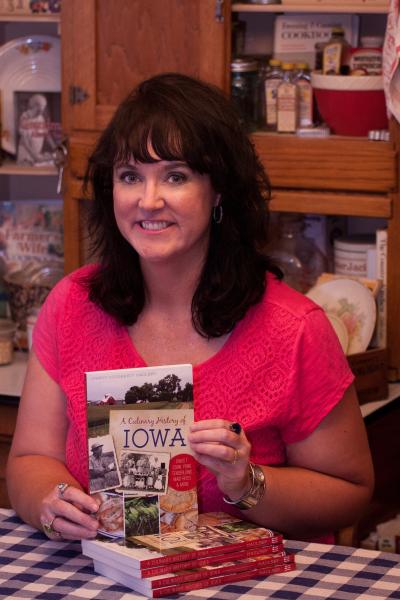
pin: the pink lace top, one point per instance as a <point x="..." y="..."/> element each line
<point x="279" y="374"/>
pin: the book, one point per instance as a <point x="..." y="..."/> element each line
<point x="211" y="576"/>
<point x="295" y="35"/>
<point x="380" y="338"/>
<point x="31" y="231"/>
<point x="217" y="534"/>
<point x="141" y="467"/>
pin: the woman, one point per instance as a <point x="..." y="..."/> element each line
<point x="179" y="223"/>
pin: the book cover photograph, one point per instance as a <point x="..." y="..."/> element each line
<point x="140" y="464"/>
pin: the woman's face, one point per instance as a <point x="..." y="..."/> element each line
<point x="163" y="210"/>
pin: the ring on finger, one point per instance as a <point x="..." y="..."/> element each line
<point x="236" y="428"/>
<point x="49" y="530"/>
<point x="236" y="455"/>
<point x="61" y="487"/>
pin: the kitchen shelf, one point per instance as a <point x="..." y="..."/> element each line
<point x="309" y="8"/>
<point x="33" y="18"/>
<point x="11" y="168"/>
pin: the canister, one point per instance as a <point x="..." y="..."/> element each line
<point x="7" y="333"/>
<point x="351" y="254"/>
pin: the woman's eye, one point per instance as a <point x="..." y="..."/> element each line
<point x="177" y="177"/>
<point x="127" y="177"/>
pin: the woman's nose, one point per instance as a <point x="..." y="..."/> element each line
<point x="151" y="197"/>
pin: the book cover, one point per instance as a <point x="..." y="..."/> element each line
<point x="140" y="464"/>
<point x="31" y="231"/>
<point x="38" y="127"/>
<point x="380" y="337"/>
<point x="217" y="534"/>
<point x="295" y="35"/>
<point x="212" y="578"/>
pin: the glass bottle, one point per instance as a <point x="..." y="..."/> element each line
<point x="272" y="80"/>
<point x="244" y="90"/>
<point x="300" y="259"/>
<point x="287" y="97"/>
<point x="305" y="95"/>
<point x="336" y="54"/>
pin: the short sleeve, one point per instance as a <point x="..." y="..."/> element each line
<point x="318" y="379"/>
<point x="44" y="336"/>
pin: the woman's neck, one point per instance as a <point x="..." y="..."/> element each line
<point x="169" y="288"/>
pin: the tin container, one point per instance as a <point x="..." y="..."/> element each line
<point x="351" y="255"/>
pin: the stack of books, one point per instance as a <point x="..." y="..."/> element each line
<point x="221" y="549"/>
<point x="142" y="473"/>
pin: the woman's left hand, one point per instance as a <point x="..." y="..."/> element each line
<point x="224" y="449"/>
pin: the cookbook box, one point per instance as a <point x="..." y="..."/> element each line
<point x="371" y="374"/>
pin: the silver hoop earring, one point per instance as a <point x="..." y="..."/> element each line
<point x="218" y="213"/>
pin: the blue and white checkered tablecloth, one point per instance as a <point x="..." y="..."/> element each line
<point x="31" y="566"/>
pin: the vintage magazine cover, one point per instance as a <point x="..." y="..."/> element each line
<point x="218" y="534"/>
<point x="196" y="579"/>
<point x="38" y="127"/>
<point x="140" y="464"/>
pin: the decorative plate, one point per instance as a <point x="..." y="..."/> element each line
<point x="31" y="64"/>
<point x="340" y="330"/>
<point x="354" y="304"/>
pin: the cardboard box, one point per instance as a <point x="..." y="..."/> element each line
<point x="371" y="371"/>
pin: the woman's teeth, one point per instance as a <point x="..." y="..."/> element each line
<point x="154" y="225"/>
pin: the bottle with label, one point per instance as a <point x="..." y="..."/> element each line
<point x="273" y="78"/>
<point x="336" y="54"/>
<point x="287" y="99"/>
<point x="305" y="95"/>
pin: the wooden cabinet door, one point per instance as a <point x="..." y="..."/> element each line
<point x="109" y="46"/>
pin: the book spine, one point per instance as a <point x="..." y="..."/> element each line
<point x="223" y="579"/>
<point x="168" y="559"/>
<point x="381" y="273"/>
<point x="213" y="559"/>
<point x="225" y="569"/>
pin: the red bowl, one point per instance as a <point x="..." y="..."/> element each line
<point x="350" y="105"/>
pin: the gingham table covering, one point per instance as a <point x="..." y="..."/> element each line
<point x="31" y="566"/>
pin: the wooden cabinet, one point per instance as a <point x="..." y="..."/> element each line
<point x="109" y="47"/>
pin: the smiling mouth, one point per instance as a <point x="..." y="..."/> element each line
<point x="154" y="225"/>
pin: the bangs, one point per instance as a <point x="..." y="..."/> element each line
<point x="163" y="134"/>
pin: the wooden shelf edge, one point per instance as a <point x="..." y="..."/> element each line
<point x="331" y="203"/>
<point x="11" y="168"/>
<point x="32" y="18"/>
<point x="309" y="8"/>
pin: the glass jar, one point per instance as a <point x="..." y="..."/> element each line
<point x="7" y="333"/>
<point x="244" y="79"/>
<point x="297" y="256"/>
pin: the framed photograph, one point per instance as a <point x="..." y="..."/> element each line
<point x="38" y="126"/>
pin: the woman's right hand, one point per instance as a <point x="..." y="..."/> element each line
<point x="69" y="514"/>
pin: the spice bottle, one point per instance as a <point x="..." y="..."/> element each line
<point x="244" y="90"/>
<point x="305" y="95"/>
<point x="287" y="97"/>
<point x="367" y="59"/>
<point x="336" y="54"/>
<point x="272" y="80"/>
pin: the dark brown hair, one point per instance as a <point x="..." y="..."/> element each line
<point x="188" y="120"/>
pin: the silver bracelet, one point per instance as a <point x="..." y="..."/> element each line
<point x="257" y="489"/>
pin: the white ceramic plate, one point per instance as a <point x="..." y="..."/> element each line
<point x="340" y="330"/>
<point x="354" y="304"/>
<point x="27" y="64"/>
